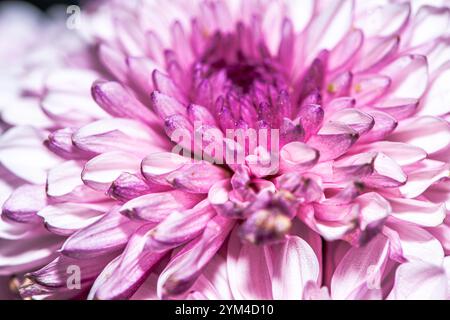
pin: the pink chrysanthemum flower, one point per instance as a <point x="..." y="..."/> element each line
<point x="131" y="171"/>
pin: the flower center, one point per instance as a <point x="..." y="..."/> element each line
<point x="248" y="83"/>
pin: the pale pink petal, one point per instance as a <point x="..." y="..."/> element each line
<point x="250" y="277"/>
<point x="422" y="213"/>
<point x="21" y="152"/>
<point x="359" y="269"/>
<point x="134" y="265"/>
<point x="24" y="203"/>
<point x="419" y="281"/>
<point x="117" y="135"/>
<point x="417" y="244"/>
<point x="155" y="207"/>
<point x="100" y="172"/>
<point x="434" y="133"/>
<point x="109" y="234"/>
<point x="294" y="264"/>
<point x="67" y="218"/>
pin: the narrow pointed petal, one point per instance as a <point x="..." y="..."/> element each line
<point x="20" y="144"/>
<point x="100" y="172"/>
<point x="333" y="140"/>
<point x="358" y="268"/>
<point x="134" y="265"/>
<point x="196" y="177"/>
<point x="24" y="203"/>
<point x="249" y="266"/>
<point x="166" y="106"/>
<point x="419" y="281"/>
<point x="422" y="213"/>
<point x="118" y="102"/>
<point x="129" y="186"/>
<point x="109" y="234"/>
<point x="434" y="133"/>
<point x="185" y="268"/>
<point x="423" y="176"/>
<point x="64" y="184"/>
<point x="117" y="135"/>
<point x="67" y="218"/>
<point x="294" y="265"/>
<point x="60" y="142"/>
<point x="166" y="86"/>
<point x="415" y="243"/>
<point x="158" y="166"/>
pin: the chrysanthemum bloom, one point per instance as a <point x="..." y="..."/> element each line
<point x="348" y="200"/>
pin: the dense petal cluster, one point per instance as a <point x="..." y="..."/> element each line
<point x="212" y="149"/>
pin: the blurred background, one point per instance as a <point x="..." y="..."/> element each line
<point x="44" y="4"/>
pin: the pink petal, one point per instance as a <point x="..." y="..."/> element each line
<point x="346" y="49"/>
<point x="419" y="281"/>
<point x="138" y="69"/>
<point x="157" y="166"/>
<point x="376" y="52"/>
<point x="384" y="20"/>
<point x="113" y="61"/>
<point x="109" y="234"/>
<point x="384" y="125"/>
<point x="334" y="22"/>
<point x="422" y="213"/>
<point x="434" y="133"/>
<point x="60" y="142"/>
<point x="333" y="140"/>
<point x="55" y="277"/>
<point x="100" y="172"/>
<point x="180" y="227"/>
<point x="297" y="156"/>
<point x="369" y="88"/>
<point x="118" y="102"/>
<point x="71" y="108"/>
<point x="20" y="144"/>
<point x="117" y="135"/>
<point x="166" y="86"/>
<point x="129" y="186"/>
<point x="387" y="173"/>
<point x="21" y="256"/>
<point x="134" y="265"/>
<point x="64" y="184"/>
<point x="196" y="177"/>
<point x="416" y="243"/>
<point x="67" y="218"/>
<point x="402" y="153"/>
<point x="359" y="268"/>
<point x="24" y="203"/>
<point x="214" y="281"/>
<point x="155" y="207"/>
<point x="185" y="268"/>
<point x="147" y="291"/>
<point x="435" y="102"/>
<point x="359" y="121"/>
<point x="249" y="270"/>
<point x="409" y="75"/>
<point x="430" y="23"/>
<point x="166" y="106"/>
<point x="423" y="176"/>
<point x="399" y="108"/>
<point x="294" y="265"/>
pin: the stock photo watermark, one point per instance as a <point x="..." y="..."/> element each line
<point x="74" y="17"/>
<point x="73" y="281"/>
<point x="235" y="147"/>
